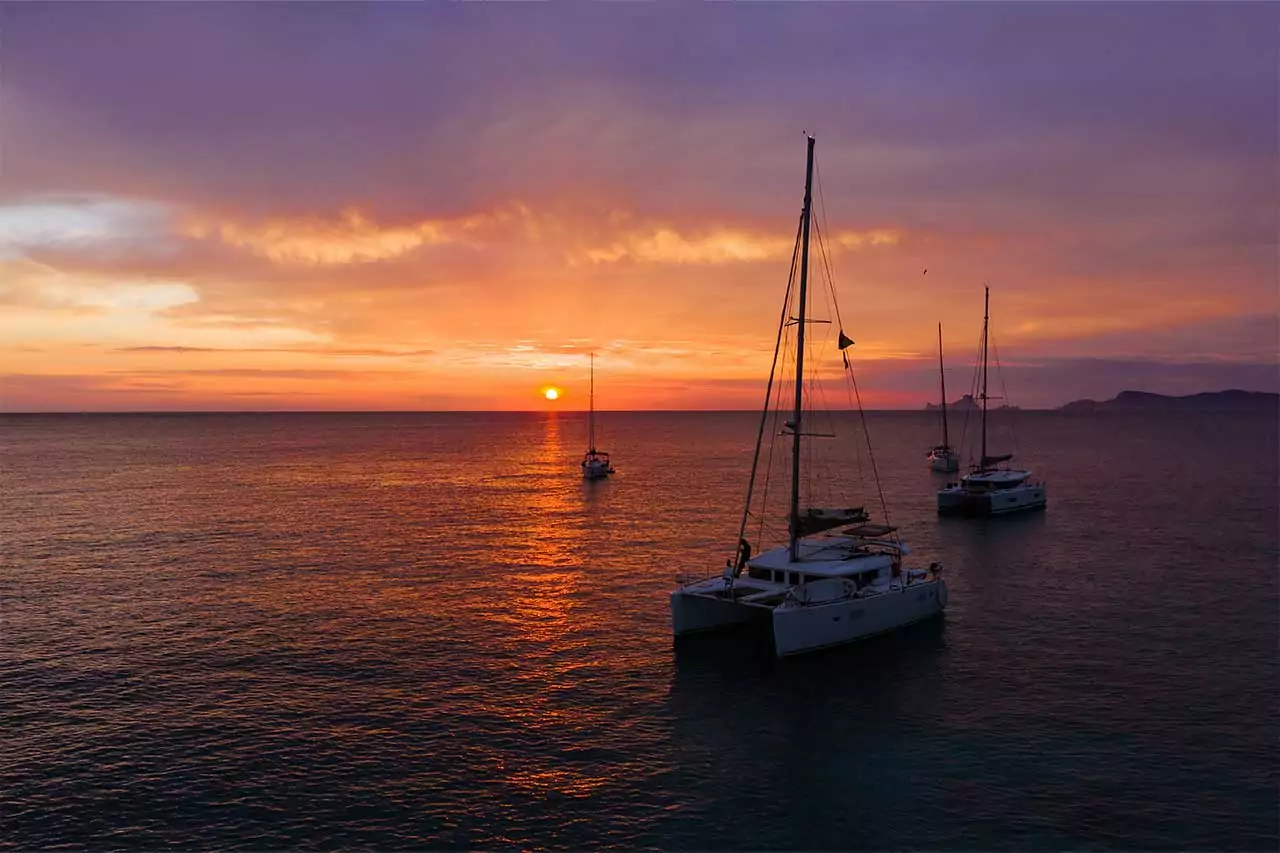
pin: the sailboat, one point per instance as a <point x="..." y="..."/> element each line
<point x="595" y="464"/>
<point x="837" y="578"/>
<point x="988" y="488"/>
<point x="942" y="457"/>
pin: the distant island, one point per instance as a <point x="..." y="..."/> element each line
<point x="965" y="403"/>
<point x="1232" y="400"/>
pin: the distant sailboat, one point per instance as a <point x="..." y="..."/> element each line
<point x="989" y="489"/>
<point x="942" y="457"/>
<point x="595" y="464"/>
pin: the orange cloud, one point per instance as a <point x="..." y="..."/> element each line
<point x="668" y="245"/>
<point x="351" y="238"/>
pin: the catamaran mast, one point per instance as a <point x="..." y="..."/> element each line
<point x="591" y="407"/>
<point x="986" y="316"/>
<point x="946" y="442"/>
<point x="801" y="319"/>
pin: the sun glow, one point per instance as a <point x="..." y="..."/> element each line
<point x="551" y="393"/>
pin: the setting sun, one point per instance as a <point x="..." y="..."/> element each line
<point x="551" y="393"/>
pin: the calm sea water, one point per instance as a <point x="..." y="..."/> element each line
<point x="424" y="631"/>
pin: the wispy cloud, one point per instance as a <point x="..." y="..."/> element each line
<point x="669" y="246"/>
<point x="253" y="373"/>
<point x="86" y="221"/>
<point x="334" y="351"/>
<point x="351" y="237"/>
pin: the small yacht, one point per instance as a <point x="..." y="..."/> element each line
<point x="837" y="578"/>
<point x="941" y="457"/>
<point x="595" y="463"/>
<point x="991" y="487"/>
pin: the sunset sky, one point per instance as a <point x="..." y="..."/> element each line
<point x="447" y="206"/>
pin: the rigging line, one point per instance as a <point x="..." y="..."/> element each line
<point x="1013" y="433"/>
<point x="821" y="416"/>
<point x="827" y="413"/>
<point x="779" y="416"/>
<point x="849" y="367"/>
<point x="786" y="392"/>
<point x="770" y="460"/>
<point x="822" y="199"/>
<point x="826" y="260"/>
<point x="812" y="411"/>
<point x="777" y="347"/>
<point x="973" y="390"/>
<point x="831" y="288"/>
<point x="884" y="507"/>
<point x="828" y="295"/>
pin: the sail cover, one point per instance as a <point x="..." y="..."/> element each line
<point x="817" y="520"/>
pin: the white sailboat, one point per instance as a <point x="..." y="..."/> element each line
<point x="988" y="488"/>
<point x="941" y="456"/>
<point x="824" y="587"/>
<point x="595" y="463"/>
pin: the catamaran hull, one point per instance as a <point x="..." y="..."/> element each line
<point x="996" y="502"/>
<point x="692" y="613"/>
<point x="807" y="628"/>
<point x="951" y="501"/>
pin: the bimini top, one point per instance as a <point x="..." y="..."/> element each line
<point x="999" y="478"/>
<point x="832" y="556"/>
<point x="869" y="531"/>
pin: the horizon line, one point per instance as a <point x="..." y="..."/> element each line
<point x="927" y="407"/>
<point x="920" y="411"/>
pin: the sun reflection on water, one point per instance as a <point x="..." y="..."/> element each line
<point x="538" y="607"/>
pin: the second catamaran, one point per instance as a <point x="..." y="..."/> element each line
<point x="988" y="488"/>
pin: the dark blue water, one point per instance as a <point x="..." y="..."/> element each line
<point x="424" y="631"/>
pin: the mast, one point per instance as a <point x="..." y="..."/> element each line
<point x="946" y="442"/>
<point x="591" y="410"/>
<point x="986" y="317"/>
<point x="801" y="319"/>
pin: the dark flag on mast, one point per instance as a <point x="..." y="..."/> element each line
<point x="844" y="342"/>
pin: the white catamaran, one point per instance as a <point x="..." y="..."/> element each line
<point x="595" y="463"/>
<point x="988" y="488"/>
<point x="825" y="586"/>
<point x="941" y="456"/>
